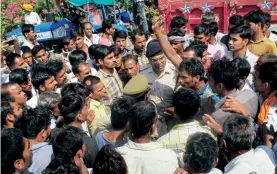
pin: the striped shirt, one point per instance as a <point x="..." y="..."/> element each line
<point x="112" y="84"/>
<point x="177" y="137"/>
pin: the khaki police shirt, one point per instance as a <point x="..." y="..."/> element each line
<point x="161" y="87"/>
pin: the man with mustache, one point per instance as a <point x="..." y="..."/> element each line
<point x="28" y="31"/>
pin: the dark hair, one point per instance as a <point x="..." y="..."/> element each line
<point x="76" y="32"/>
<point x="5" y="110"/>
<point x="119" y="34"/>
<point x="142" y="117"/>
<point x="39" y="74"/>
<point x="193" y="67"/>
<point x="136" y="32"/>
<point x="176" y="32"/>
<point x="238" y="132"/>
<point x="33" y="121"/>
<point x="19" y="76"/>
<point x="107" y="24"/>
<point x="75" y="68"/>
<point x="119" y="112"/>
<point x="85" y="23"/>
<point x="10" y="59"/>
<point x="101" y="52"/>
<point x="12" y="148"/>
<point x="213" y="28"/>
<point x="236" y="20"/>
<point x="208" y="17"/>
<point x="6" y="96"/>
<point x="37" y="49"/>
<point x="202" y="29"/>
<point x="90" y="81"/>
<point x="243" y="67"/>
<point x="77" y="56"/>
<point x="268" y="73"/>
<point x="65" y="147"/>
<point x="70" y="106"/>
<point x="199" y="47"/>
<point x="224" y="72"/>
<point x="269" y="57"/>
<point x="186" y="103"/>
<point x="25" y="49"/>
<point x="109" y="161"/>
<point x="244" y="31"/>
<point x="267" y="18"/>
<point x="129" y="57"/>
<point x="65" y="41"/>
<point x="255" y="16"/>
<point x="73" y="89"/>
<point x="92" y="50"/>
<point x="26" y="28"/>
<point x="115" y="49"/>
<point x="201" y="152"/>
<point x="178" y="22"/>
<point x="55" y="66"/>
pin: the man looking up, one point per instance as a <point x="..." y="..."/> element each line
<point x="259" y="44"/>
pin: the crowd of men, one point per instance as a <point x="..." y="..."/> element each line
<point x="143" y="103"/>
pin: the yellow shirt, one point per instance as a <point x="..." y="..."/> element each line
<point x="262" y="47"/>
<point x="102" y="120"/>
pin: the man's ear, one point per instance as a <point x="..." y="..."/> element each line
<point x="153" y="128"/>
<point x="100" y="61"/>
<point x="19" y="165"/>
<point x="42" y="88"/>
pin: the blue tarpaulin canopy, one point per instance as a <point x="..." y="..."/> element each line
<point x="79" y="3"/>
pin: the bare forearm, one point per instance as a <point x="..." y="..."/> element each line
<point x="168" y="50"/>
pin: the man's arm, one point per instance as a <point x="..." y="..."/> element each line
<point x="167" y="48"/>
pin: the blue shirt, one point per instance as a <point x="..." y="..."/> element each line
<point x="102" y="141"/>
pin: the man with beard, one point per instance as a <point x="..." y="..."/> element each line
<point x="139" y="40"/>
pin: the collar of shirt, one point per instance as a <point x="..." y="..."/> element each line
<point x="107" y="75"/>
<point x="203" y="89"/>
<point x="167" y="70"/>
<point x="143" y="146"/>
<point x="96" y="103"/>
<point x="184" y="126"/>
<point x="230" y="56"/>
<point x="253" y="42"/>
<point x="29" y="44"/>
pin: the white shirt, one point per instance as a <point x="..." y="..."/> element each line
<point x="273" y="37"/>
<point x="95" y="40"/>
<point x="29" y="44"/>
<point x="217" y="51"/>
<point x="32" y="18"/>
<point x="251" y="58"/>
<point x="148" y="158"/>
<point x="256" y="161"/>
<point x="33" y="102"/>
<point x="74" y="79"/>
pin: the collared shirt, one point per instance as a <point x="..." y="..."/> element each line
<point x="262" y="47"/>
<point x="256" y="161"/>
<point x="32" y="18"/>
<point x="29" y="44"/>
<point x="162" y="86"/>
<point x="251" y="58"/>
<point x="33" y="102"/>
<point x="247" y="98"/>
<point x="112" y="84"/>
<point x="177" y="137"/>
<point x="94" y="40"/>
<point x="102" y="117"/>
<point x="143" y="60"/>
<point x="146" y="158"/>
